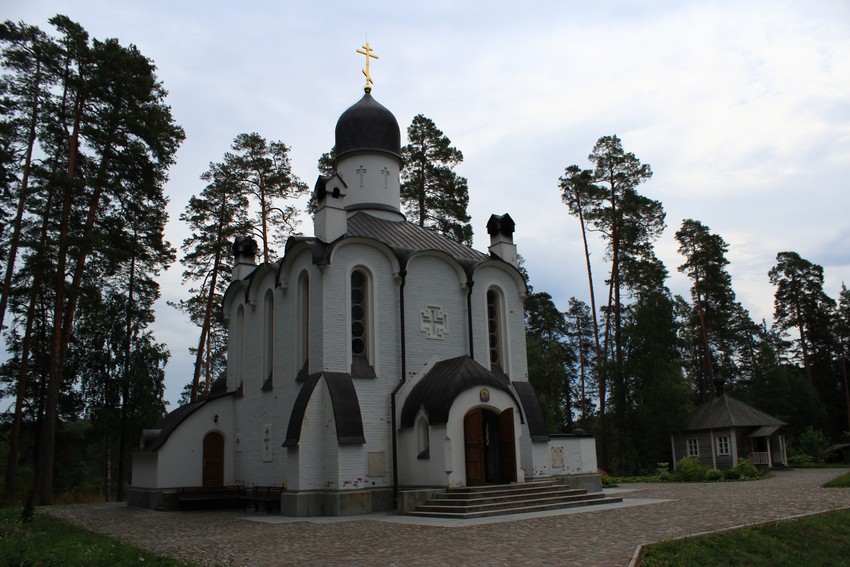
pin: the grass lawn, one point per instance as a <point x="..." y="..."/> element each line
<point x="840" y="482"/>
<point x="819" y="540"/>
<point x="49" y="541"/>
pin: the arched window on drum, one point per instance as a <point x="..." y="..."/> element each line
<point x="496" y="331"/>
<point x="361" y="331"/>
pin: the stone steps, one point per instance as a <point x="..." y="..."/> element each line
<point x="496" y="500"/>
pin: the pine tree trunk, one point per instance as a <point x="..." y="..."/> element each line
<point x="43" y="482"/>
<point x="205" y="328"/>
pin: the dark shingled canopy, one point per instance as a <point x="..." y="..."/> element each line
<point x="724" y="411"/>
<point x="349" y="422"/>
<point x="437" y="390"/>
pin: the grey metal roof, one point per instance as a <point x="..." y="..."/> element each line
<point x="725" y="411"/>
<point x="405" y="237"/>
<point x="437" y="390"/>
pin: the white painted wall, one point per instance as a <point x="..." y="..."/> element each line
<point x="373" y="186"/>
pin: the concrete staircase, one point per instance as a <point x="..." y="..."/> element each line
<point x="517" y="498"/>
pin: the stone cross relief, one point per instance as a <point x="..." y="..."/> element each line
<point x="434" y="322"/>
<point x="386" y="173"/>
<point x="361" y="170"/>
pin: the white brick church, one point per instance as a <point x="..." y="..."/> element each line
<point x="375" y="357"/>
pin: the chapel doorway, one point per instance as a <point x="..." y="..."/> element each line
<point x="489" y="446"/>
<point x="213" y="474"/>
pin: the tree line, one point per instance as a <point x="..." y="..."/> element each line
<point x="87" y="140"/>
<point x="629" y="366"/>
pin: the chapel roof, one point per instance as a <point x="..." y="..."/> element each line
<point x="724" y="411"/>
<point x="367" y="126"/>
<point x="405" y="237"/>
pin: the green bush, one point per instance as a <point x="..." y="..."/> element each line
<point x="689" y="470"/>
<point x="732" y="474"/>
<point x="813" y="443"/>
<point x="713" y="475"/>
<point x="797" y="459"/>
<point x="607" y="482"/>
<point x="666" y="476"/>
<point x="746" y="469"/>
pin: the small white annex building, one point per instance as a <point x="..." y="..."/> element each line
<point x="375" y="357"/>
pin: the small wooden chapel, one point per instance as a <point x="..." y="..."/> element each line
<point x="375" y="357"/>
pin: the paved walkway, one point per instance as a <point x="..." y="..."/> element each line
<point x="602" y="535"/>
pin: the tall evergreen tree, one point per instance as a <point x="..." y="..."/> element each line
<point x="722" y="329"/>
<point x="580" y="338"/>
<point x="550" y="360"/>
<point x="607" y="200"/>
<point x="431" y="191"/>
<point x="801" y="304"/>
<point x="263" y="171"/>
<point x="842" y="332"/>
<point x="96" y="113"/>
<point x="215" y="218"/>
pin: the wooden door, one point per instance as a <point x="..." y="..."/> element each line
<point x="507" y="448"/>
<point x="473" y="436"/>
<point x="213" y="460"/>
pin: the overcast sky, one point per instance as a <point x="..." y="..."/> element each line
<point x="741" y="108"/>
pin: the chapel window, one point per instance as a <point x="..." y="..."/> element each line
<point x="361" y="325"/>
<point x="423" y="438"/>
<point x="238" y="365"/>
<point x="359" y="314"/>
<point x="494" y="330"/>
<point x="268" y="340"/>
<point x="303" y="323"/>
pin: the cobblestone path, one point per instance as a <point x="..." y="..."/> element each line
<point x="651" y="512"/>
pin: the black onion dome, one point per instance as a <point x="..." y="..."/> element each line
<point x="367" y="126"/>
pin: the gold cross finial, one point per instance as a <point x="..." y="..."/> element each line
<point x="367" y="51"/>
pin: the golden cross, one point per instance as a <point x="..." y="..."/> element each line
<point x="367" y="51"/>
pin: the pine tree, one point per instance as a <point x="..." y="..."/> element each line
<point x="263" y="171"/>
<point x="550" y="360"/>
<point x="104" y="133"/>
<point x="801" y="304"/>
<point x="215" y="218"/>
<point x="431" y="191"/>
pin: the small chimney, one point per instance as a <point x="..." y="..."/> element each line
<point x="244" y="257"/>
<point x="501" y="231"/>
<point x="331" y="219"/>
<point x="719" y="384"/>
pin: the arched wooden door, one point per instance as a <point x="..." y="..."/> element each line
<point x="213" y="460"/>
<point x="489" y="446"/>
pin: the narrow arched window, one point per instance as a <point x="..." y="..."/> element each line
<point x="423" y="438"/>
<point x="361" y="325"/>
<point x="494" y="331"/>
<point x="268" y="340"/>
<point x="303" y="325"/>
<point x="237" y="363"/>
